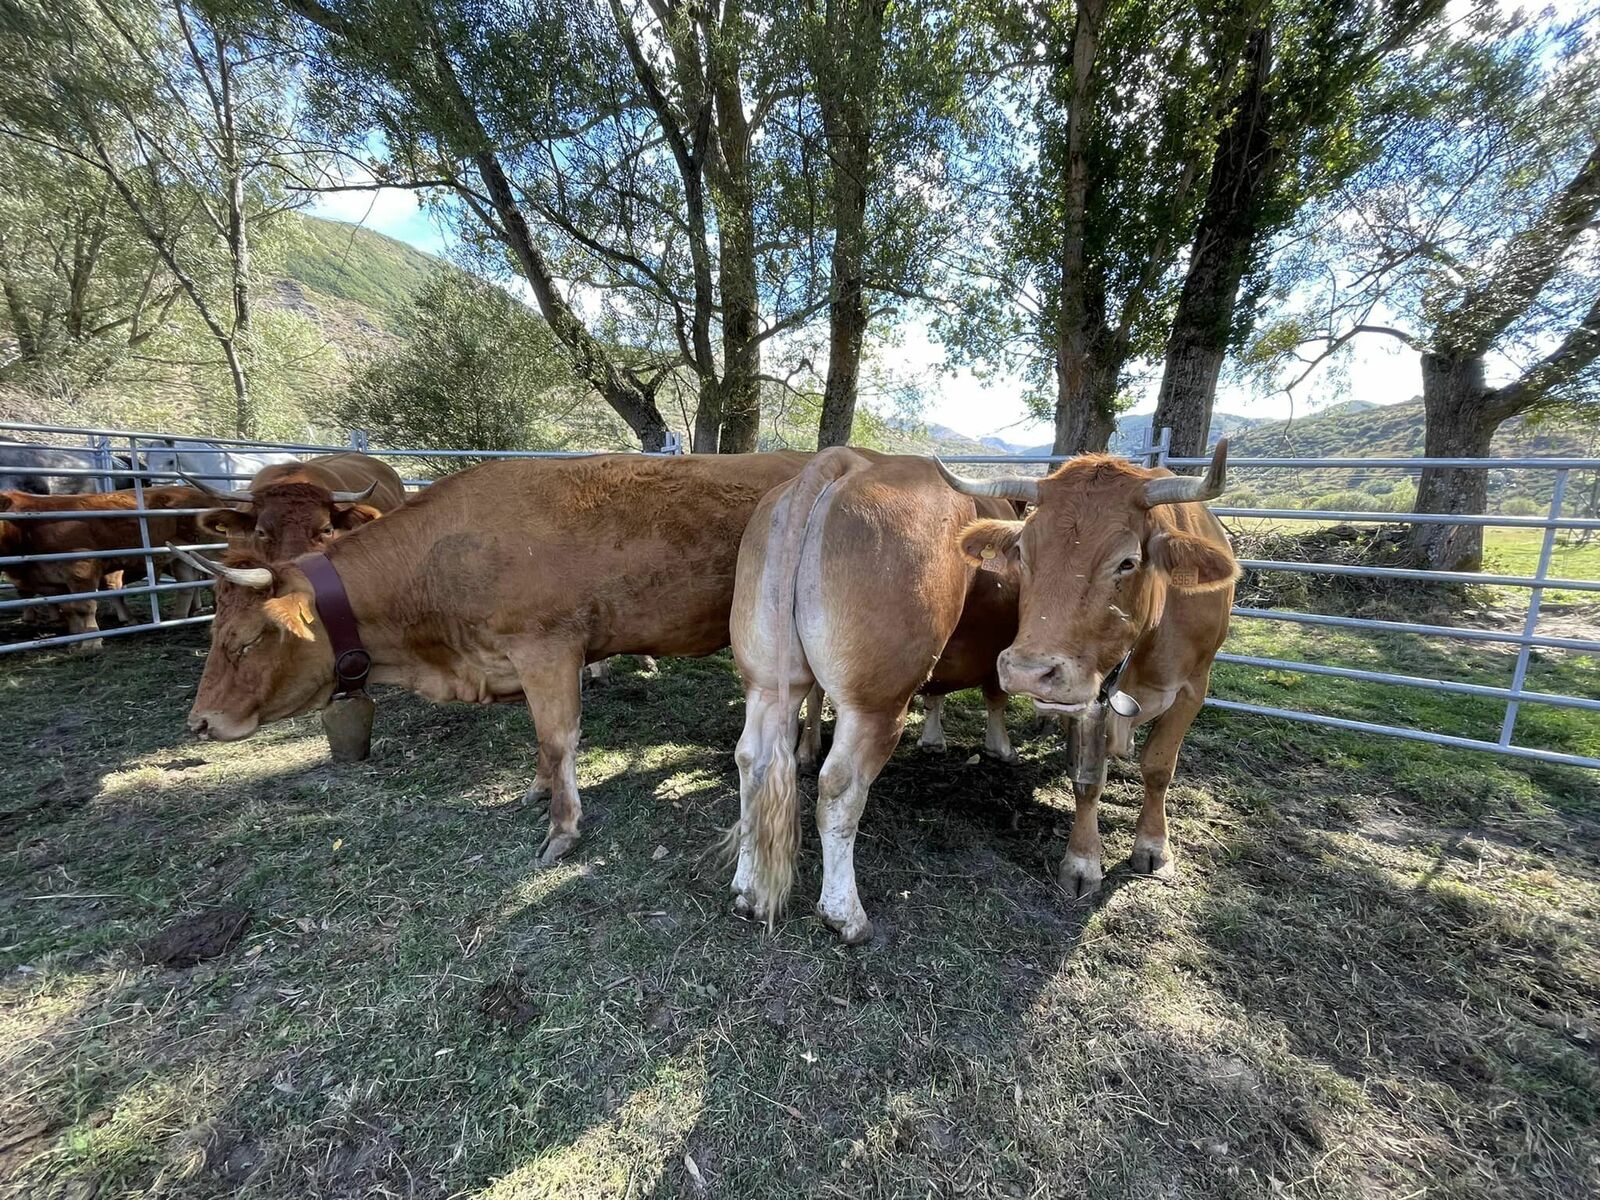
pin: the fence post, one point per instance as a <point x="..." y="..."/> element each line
<point x="1162" y="444"/>
<point x="359" y="440"/>
<point x="150" y="576"/>
<point x="1535" y="599"/>
<point x="103" y="460"/>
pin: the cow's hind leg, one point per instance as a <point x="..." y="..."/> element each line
<point x="862" y="743"/>
<point x="810" y="748"/>
<point x="996" y="742"/>
<point x="549" y="677"/>
<point x="762" y="723"/>
<point x="932" y="723"/>
<point x="1152" y="853"/>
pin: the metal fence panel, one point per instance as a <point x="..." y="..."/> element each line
<point x="124" y="455"/>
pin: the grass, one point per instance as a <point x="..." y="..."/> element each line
<point x="368" y="269"/>
<point x="1376" y="974"/>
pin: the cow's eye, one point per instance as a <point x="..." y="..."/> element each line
<point x="327" y="530"/>
<point x="1127" y="565"/>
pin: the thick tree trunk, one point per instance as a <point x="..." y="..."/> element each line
<point x="17" y="308"/>
<point x="847" y="305"/>
<point x="1459" y="425"/>
<point x="1087" y="368"/>
<point x="1225" y="243"/>
<point x="741" y="350"/>
<point x="850" y="77"/>
<point x="707" y="417"/>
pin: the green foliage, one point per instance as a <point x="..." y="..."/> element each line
<point x="1522" y="506"/>
<point x="1348" y="501"/>
<point x="481" y="370"/>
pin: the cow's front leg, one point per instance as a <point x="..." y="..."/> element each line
<point x="862" y="743"/>
<point x="1081" y="871"/>
<point x="549" y="677"/>
<point x="932" y="723"/>
<point x="996" y="742"/>
<point x="1152" y="852"/>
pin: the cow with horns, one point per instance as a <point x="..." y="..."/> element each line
<point x="855" y="576"/>
<point x="498" y="583"/>
<point x="293" y="508"/>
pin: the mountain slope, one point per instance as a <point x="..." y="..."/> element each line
<point x="368" y="270"/>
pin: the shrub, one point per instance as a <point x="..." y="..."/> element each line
<point x="1347" y="502"/>
<point x="1521" y="506"/>
<point x="1402" y="499"/>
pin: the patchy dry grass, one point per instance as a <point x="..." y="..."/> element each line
<point x="1376" y="975"/>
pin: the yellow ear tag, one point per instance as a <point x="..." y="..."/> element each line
<point x="988" y="552"/>
<point x="1185" y="577"/>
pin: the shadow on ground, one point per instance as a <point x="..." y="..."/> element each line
<point x="1352" y="989"/>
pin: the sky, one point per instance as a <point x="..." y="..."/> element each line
<point x="1379" y="370"/>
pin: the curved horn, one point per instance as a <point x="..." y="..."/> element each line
<point x="1181" y="489"/>
<point x="1011" y="487"/>
<point x="354" y="497"/>
<point x="217" y="493"/>
<point x="258" y="578"/>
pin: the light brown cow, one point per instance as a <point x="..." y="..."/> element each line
<point x="291" y="509"/>
<point x="499" y="584"/>
<point x="75" y="576"/>
<point x="856" y="575"/>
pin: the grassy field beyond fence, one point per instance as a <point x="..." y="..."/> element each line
<point x="1375" y="976"/>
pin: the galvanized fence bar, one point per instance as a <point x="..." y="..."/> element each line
<point x="1535" y="600"/>
<point x="1156" y="451"/>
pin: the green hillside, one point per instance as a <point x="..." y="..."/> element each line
<point x="346" y="262"/>
<point x="1356" y="430"/>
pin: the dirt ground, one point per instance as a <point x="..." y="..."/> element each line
<point x="243" y="970"/>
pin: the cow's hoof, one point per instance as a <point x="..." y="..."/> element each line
<point x="1080" y="875"/>
<point x="852" y="930"/>
<point x="556" y="845"/>
<point x="1154" y="859"/>
<point x="1007" y="756"/>
<point x="93" y="646"/>
<point x="934" y="744"/>
<point x="537" y="793"/>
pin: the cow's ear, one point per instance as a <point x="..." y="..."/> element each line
<point x="292" y="614"/>
<point x="354" y="516"/>
<point x="227" y="522"/>
<point x="6" y="503"/>
<point x="1192" y="564"/>
<point x="991" y="545"/>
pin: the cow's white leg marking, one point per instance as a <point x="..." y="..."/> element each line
<point x="549" y="676"/>
<point x="810" y="748"/>
<point x="862" y="743"/>
<point x="996" y="743"/>
<point x="1081" y="871"/>
<point x="932" y="723"/>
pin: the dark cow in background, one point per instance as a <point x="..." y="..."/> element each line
<point x="499" y="583"/>
<point x="25" y="467"/>
<point x="294" y="508"/>
<point x="66" y="534"/>
<point x="857" y="576"/>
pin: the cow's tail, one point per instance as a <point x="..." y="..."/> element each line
<point x="775" y="801"/>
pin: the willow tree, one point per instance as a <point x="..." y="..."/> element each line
<point x="1471" y="242"/>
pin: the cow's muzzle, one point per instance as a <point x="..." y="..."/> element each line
<point x="215" y="727"/>
<point x="1056" y="683"/>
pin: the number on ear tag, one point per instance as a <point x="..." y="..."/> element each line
<point x="1184" y="577"/>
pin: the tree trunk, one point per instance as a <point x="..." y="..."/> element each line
<point x="1225" y="243"/>
<point x="1087" y="368"/>
<point x="1459" y="425"/>
<point x="707" y="430"/>
<point x="17" y="308"/>
<point x="740" y="393"/>
<point x="850" y="76"/>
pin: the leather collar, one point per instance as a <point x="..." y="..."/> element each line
<point x="351" y="662"/>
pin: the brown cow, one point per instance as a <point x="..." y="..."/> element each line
<point x="291" y="509"/>
<point x="499" y="584"/>
<point x="70" y="576"/>
<point x="856" y="576"/>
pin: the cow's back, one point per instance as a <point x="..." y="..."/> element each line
<point x="628" y="553"/>
<point x="350" y="471"/>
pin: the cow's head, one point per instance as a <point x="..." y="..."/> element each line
<point x="285" y="520"/>
<point x="1096" y="559"/>
<point x="270" y="657"/>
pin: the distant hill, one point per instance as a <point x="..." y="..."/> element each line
<point x="378" y="275"/>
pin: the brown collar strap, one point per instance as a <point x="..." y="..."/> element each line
<point x="351" y="662"/>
